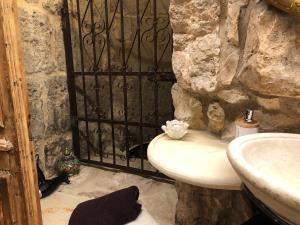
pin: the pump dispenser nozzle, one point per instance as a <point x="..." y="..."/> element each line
<point x="248" y="117"/>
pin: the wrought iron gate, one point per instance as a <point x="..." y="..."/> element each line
<point x="118" y="55"/>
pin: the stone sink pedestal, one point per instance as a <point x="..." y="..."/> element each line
<point x="205" y="206"/>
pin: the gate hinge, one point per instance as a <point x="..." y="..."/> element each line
<point x="74" y="120"/>
<point x="64" y="14"/>
<point x="64" y="11"/>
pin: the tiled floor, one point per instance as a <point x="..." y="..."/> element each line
<point x="158" y="198"/>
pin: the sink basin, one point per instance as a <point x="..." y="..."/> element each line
<point x="269" y="165"/>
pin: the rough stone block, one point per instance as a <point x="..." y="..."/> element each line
<point x="38" y="108"/>
<point x="59" y="48"/>
<point x="216" y="118"/>
<point x="272" y="60"/>
<point x="50" y="152"/>
<point x="194" y="17"/>
<point x="197" y="65"/>
<point x="233" y="20"/>
<point x="202" y="206"/>
<point x="233" y="96"/>
<point x="49" y="106"/>
<point x="269" y="103"/>
<point x="37" y="35"/>
<point x="278" y="122"/>
<point x="58" y="104"/>
<point x="187" y="108"/>
<point x="290" y="106"/>
<point x="53" y="6"/>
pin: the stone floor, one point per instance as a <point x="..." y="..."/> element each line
<point x="158" y="198"/>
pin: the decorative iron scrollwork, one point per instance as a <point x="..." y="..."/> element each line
<point x="122" y="51"/>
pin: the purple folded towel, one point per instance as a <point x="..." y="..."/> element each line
<point x="117" y="208"/>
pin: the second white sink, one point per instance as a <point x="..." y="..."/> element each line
<point x="269" y="165"/>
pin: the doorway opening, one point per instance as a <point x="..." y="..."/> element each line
<point x="118" y="55"/>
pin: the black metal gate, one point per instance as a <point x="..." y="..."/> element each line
<point x="118" y="55"/>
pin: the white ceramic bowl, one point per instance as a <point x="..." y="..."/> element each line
<point x="175" y="129"/>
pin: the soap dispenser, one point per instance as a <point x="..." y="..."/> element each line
<point x="246" y="124"/>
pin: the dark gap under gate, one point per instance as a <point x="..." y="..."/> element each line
<point x="118" y="55"/>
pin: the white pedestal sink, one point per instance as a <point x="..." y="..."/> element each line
<point x="198" y="159"/>
<point x="269" y="165"/>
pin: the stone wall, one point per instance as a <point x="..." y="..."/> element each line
<point x="43" y="50"/>
<point x="232" y="55"/>
<point x="42" y="42"/>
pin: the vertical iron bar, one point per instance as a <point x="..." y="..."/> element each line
<point x="83" y="80"/>
<point x="155" y="21"/>
<point x="107" y="30"/>
<point x="96" y="80"/>
<point x="138" y="22"/>
<point x="70" y="77"/>
<point x="96" y="73"/>
<point x="124" y="80"/>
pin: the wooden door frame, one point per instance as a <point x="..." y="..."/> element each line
<point x="6" y="199"/>
<point x="20" y="170"/>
